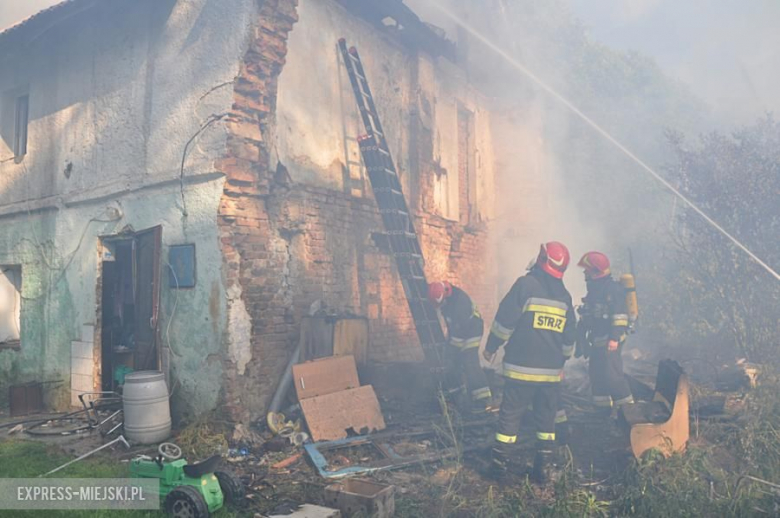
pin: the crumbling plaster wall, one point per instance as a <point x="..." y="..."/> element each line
<point x="296" y="215"/>
<point x="116" y="91"/>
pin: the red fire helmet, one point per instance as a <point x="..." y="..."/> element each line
<point x="553" y="258"/>
<point x="595" y="264"/>
<point x="438" y="291"/>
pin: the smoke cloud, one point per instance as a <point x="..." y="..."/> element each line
<point x="728" y="52"/>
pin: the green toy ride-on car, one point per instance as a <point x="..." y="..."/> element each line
<point x="188" y="490"/>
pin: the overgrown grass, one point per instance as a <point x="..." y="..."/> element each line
<point x="716" y="476"/>
<point x="522" y="500"/>
<point x="758" y="443"/>
<point x="28" y="459"/>
<point x="722" y="474"/>
<point x="203" y="437"/>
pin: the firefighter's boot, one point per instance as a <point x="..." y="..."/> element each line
<point x="562" y="434"/>
<point x="499" y="465"/>
<point x="542" y="470"/>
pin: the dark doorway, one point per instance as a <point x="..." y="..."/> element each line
<point x="129" y="306"/>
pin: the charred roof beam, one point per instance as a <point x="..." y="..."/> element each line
<point x="395" y="18"/>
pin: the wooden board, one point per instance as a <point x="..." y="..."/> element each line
<point x="330" y="416"/>
<point x="350" y="337"/>
<point x="325" y="376"/>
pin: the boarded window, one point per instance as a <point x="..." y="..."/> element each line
<point x="20" y="125"/>
<point x="445" y="194"/>
<point x="10" y="305"/>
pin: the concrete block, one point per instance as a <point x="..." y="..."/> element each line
<point x="81" y="366"/>
<point x="82" y="350"/>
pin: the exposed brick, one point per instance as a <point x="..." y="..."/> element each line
<point x="242" y="149"/>
<point x="287" y="247"/>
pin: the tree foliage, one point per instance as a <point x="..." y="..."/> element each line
<point x="735" y="179"/>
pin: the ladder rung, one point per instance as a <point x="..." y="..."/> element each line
<point x="380" y="168"/>
<point x="388" y="189"/>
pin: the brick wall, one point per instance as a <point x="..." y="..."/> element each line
<point x="287" y="245"/>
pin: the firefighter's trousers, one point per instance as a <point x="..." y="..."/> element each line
<point x="476" y="378"/>
<point x="562" y="427"/>
<point x="466" y="356"/>
<point x="608" y="383"/>
<point x="517" y="396"/>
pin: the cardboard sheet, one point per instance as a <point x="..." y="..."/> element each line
<point x="325" y="376"/>
<point x="330" y="416"/>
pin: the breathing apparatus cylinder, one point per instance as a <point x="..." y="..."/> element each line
<point x="628" y="283"/>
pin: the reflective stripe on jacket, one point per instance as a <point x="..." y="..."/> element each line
<point x="536" y="321"/>
<point x="605" y="314"/>
<point x="464" y="323"/>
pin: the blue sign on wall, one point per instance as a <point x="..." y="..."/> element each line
<point x="182" y="273"/>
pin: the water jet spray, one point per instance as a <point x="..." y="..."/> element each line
<point x="601" y="131"/>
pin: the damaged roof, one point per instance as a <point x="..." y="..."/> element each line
<point x="394" y="17"/>
<point x="389" y="16"/>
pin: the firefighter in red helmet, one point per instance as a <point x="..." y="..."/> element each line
<point x="602" y="332"/>
<point x="536" y="321"/>
<point x="464" y="329"/>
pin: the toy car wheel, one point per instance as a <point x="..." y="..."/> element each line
<point x="186" y="502"/>
<point x="233" y="488"/>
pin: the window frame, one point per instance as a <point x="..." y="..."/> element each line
<point x="21" y="124"/>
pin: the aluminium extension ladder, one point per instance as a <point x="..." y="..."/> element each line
<point x="399" y="228"/>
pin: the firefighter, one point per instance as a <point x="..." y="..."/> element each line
<point x="464" y="329"/>
<point x="537" y="323"/>
<point x="602" y="333"/>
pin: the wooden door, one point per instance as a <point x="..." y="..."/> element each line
<point x="147" y="302"/>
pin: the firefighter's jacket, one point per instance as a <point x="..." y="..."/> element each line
<point x="604" y="313"/>
<point x="536" y="320"/>
<point x="464" y="323"/>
